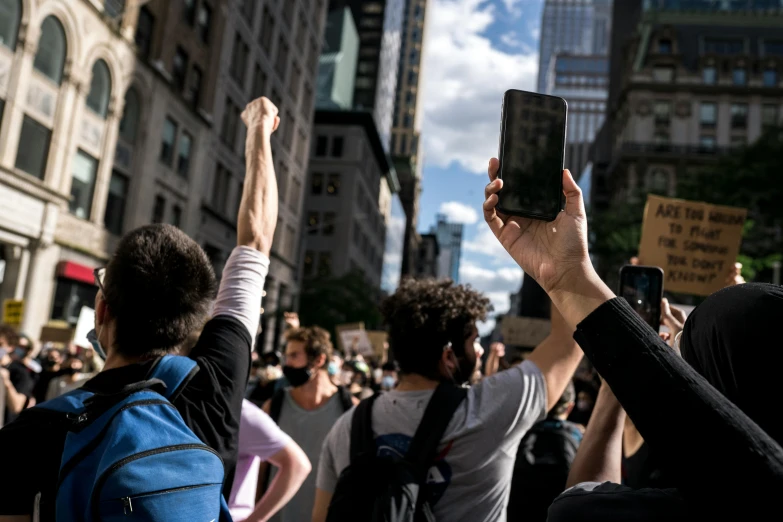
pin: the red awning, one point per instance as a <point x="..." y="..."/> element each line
<point x="75" y="271"/>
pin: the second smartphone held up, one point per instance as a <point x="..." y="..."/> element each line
<point x="532" y="150"/>
<point x="642" y="287"/>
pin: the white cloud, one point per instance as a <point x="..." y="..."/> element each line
<point x="513" y="7"/>
<point x="464" y="81"/>
<point x="501" y="281"/>
<point x="457" y="212"/>
<point x="511" y="39"/>
<point x="485" y="242"/>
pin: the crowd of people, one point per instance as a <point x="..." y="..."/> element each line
<point x="645" y="427"/>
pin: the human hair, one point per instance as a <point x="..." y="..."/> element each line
<point x="568" y="397"/>
<point x="8" y="333"/>
<point x="316" y="340"/>
<point x="423" y="316"/>
<point x="158" y="286"/>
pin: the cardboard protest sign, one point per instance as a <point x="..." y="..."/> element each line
<point x="696" y="244"/>
<point x="524" y="331"/>
<point x="85" y="323"/>
<point x="352" y="338"/>
<point x="56" y="334"/>
<point x="378" y="341"/>
<point x="13" y="309"/>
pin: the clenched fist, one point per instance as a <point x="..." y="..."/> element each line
<point x="261" y="113"/>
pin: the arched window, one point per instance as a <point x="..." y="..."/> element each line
<point x="50" y="57"/>
<point x="10" y="14"/>
<point x="658" y="181"/>
<point x="100" y="89"/>
<point x="130" y="116"/>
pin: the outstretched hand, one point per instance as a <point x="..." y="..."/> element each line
<point x="549" y="252"/>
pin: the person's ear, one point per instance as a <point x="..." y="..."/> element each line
<point x="320" y="362"/>
<point x="448" y="362"/>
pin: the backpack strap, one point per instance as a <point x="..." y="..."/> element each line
<point x="444" y="402"/>
<point x="362" y="438"/>
<point x="277" y="404"/>
<point x="345" y="397"/>
<point x="175" y="371"/>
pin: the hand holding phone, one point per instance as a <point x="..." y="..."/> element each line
<point x="532" y="150"/>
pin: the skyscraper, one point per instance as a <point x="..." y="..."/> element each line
<point x="572" y="26"/>
<point x="337" y="64"/>
<point x="450" y="247"/>
<point x="380" y="27"/>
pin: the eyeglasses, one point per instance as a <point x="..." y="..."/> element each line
<point x="100" y="274"/>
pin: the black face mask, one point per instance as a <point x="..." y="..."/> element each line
<point x="297" y="376"/>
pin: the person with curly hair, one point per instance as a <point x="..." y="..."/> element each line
<point x="432" y="332"/>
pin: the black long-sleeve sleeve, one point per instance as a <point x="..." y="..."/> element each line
<point x="721" y="461"/>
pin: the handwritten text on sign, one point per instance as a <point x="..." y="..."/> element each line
<point x="696" y="244"/>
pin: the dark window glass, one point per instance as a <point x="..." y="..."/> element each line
<point x="85" y="168"/>
<point x="144" y="29"/>
<point x="179" y="68"/>
<point x="333" y="184"/>
<point x="167" y="142"/>
<point x="158" y="209"/>
<point x="317" y="184"/>
<point x="189" y="11"/>
<point x="33" y="150"/>
<point x="115" y="203"/>
<point x="337" y="147"/>
<point x="204" y="20"/>
<point x="193" y="93"/>
<point x="321" y="143"/>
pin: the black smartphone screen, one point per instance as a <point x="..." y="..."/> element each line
<point x="642" y="287"/>
<point x="532" y="147"/>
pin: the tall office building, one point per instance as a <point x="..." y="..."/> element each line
<point x="269" y="49"/>
<point x="105" y="113"/>
<point x="575" y="27"/>
<point x="449" y="236"/>
<point x="407" y="124"/>
<point x="338" y="61"/>
<point x="380" y="29"/>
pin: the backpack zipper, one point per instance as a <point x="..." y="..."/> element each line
<point x="94" y="443"/>
<point x="96" y="492"/>
<point x="127" y="504"/>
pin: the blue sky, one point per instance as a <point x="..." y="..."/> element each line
<point x="474" y="51"/>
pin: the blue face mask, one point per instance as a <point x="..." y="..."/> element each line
<point x="96" y="344"/>
<point x="388" y="382"/>
<point x="20" y="353"/>
<point x="332" y="369"/>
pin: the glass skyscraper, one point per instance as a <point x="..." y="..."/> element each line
<point x="450" y="247"/>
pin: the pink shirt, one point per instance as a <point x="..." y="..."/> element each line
<point x="259" y="439"/>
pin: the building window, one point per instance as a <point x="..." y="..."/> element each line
<point x="739" y="115"/>
<point x="167" y="143"/>
<point x="100" y="89"/>
<point x="289" y="124"/>
<point x="707" y="143"/>
<point x="189" y="11"/>
<point x="661" y="140"/>
<point x="770" y="78"/>
<point x="329" y="219"/>
<point x="267" y="30"/>
<point x="10" y="15"/>
<point x="288" y="12"/>
<point x="312" y="223"/>
<point x="69" y="298"/>
<point x="115" y="203"/>
<point x="193" y="92"/>
<point x="739" y="76"/>
<point x="738" y="141"/>
<point x="293" y="195"/>
<point x="248" y="11"/>
<point x="364" y="82"/>
<point x="50" y="56"/>
<point x="312" y="58"/>
<point x="179" y="68"/>
<point x="301" y="148"/>
<point x="204" y="21"/>
<point x="333" y="184"/>
<point x="130" y="116"/>
<point x="282" y="57"/>
<point x="321" y="144"/>
<point x="176" y="216"/>
<point x="403" y="144"/>
<point x="307" y="100"/>
<point x="664" y="46"/>
<point x="82" y="185"/>
<point x="158" y="209"/>
<point x="406" y="120"/>
<point x="317" y="183"/>
<point x="259" y="82"/>
<point x="662" y="111"/>
<point x="723" y="46"/>
<point x="337" y="147"/>
<point x="366" y="68"/>
<point x="309" y="261"/>
<point x="33" y="148"/>
<point x="325" y="264"/>
<point x="708" y="114"/>
<point x="144" y="29"/>
<point x="413" y="78"/>
<point x="228" y="130"/>
<point x="282" y="181"/>
<point x="183" y="156"/>
<point x="290" y="250"/>
<point x="220" y="189"/>
<point x="239" y="60"/>
<point x="710" y="75"/>
<point x="302" y="34"/>
<point x="769" y="115"/>
<point x="663" y="74"/>
<point x="294" y="80"/>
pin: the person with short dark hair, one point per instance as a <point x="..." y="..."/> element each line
<point x="432" y="335"/>
<point x="307" y="409"/>
<point x="158" y="287"/>
<point x="16" y="380"/>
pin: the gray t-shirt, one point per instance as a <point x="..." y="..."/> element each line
<point x="308" y="429"/>
<point x="471" y="478"/>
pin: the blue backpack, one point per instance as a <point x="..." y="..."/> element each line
<point x="130" y="456"/>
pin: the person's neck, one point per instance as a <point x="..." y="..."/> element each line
<point x="315" y="393"/>
<point x="416" y="382"/>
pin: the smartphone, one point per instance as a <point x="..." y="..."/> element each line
<point x="532" y="151"/>
<point x="642" y="287"/>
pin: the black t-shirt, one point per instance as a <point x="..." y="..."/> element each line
<point x="210" y="405"/>
<point x="22" y="381"/>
